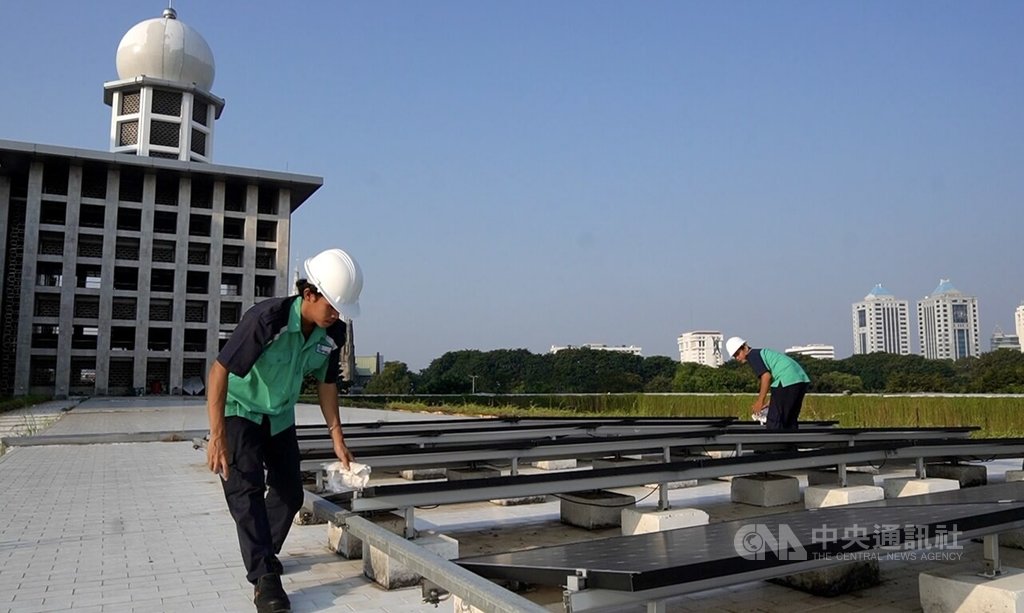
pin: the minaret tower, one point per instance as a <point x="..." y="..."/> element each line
<point x="161" y="105"/>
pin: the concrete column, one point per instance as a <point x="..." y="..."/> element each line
<point x="5" y="206"/>
<point x="107" y="281"/>
<point x="23" y="361"/>
<point x="174" y="379"/>
<point x="69" y="283"/>
<point x="216" y="268"/>
<point x="252" y="194"/>
<point x="283" y="284"/>
<point x="145" y="277"/>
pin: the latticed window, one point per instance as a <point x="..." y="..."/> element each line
<point x="123" y="308"/>
<point x="90" y="246"/>
<point x="87" y="306"/>
<point x="51" y="243"/>
<point x="163" y="251"/>
<point x="198" y="253"/>
<point x="47" y="305"/>
<point x="130" y="103"/>
<point x="195" y="311"/>
<point x="198" y="142"/>
<point x="167" y="103"/>
<point x="164" y="133"/>
<point x="266" y="258"/>
<point x="128" y="133"/>
<point x="161" y="154"/>
<point x="199" y="112"/>
<point x="127" y="248"/>
<point x="160" y="310"/>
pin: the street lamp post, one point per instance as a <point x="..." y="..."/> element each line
<point x="473" y="377"/>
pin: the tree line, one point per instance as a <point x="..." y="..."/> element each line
<point x="576" y="371"/>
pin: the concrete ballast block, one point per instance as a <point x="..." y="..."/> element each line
<point x="819" y="496"/>
<point x="594" y="508"/>
<point x="390" y="574"/>
<point x="900" y="487"/>
<point x="424" y="474"/>
<point x="635" y="521"/>
<point x="834" y="580"/>
<point x="555" y="464"/>
<point x="343" y="543"/>
<point x="969" y="475"/>
<point x="766" y="490"/>
<point x="962" y="589"/>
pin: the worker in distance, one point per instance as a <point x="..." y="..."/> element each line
<point x="778" y="374"/>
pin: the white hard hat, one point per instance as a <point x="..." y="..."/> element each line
<point x="733" y="345"/>
<point x="337" y="276"/>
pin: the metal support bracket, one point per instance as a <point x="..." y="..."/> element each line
<point x="993" y="566"/>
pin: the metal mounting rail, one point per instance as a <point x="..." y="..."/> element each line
<point x="474" y="490"/>
<point x="470" y="587"/>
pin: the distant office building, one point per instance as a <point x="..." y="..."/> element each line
<point x="881" y="322"/>
<point x="1018" y="319"/>
<point x="1001" y="340"/>
<point x="821" y="352"/>
<point x="126" y="271"/>
<point x="701" y="347"/>
<point x="947" y="324"/>
<point x="631" y="349"/>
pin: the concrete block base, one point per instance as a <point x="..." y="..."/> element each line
<point x="1014" y="475"/>
<point x="834" y="580"/>
<point x="818" y="496"/>
<point x="766" y="490"/>
<point x="555" y="464"/>
<point x="969" y="475"/>
<point x="463" y="474"/>
<point x="391" y="575"/>
<point x="961" y="589"/>
<point x="831" y="477"/>
<point x="424" y="474"/>
<point x="341" y="542"/>
<point x="912" y="486"/>
<point x="635" y="521"/>
<point x="594" y="508"/>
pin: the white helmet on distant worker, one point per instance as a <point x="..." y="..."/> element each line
<point x="337" y="276"/>
<point x="733" y="345"/>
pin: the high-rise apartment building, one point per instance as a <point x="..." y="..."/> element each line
<point x="1002" y="340"/>
<point x="126" y="270"/>
<point x="818" y="351"/>
<point x="1018" y="320"/>
<point x="702" y="347"/>
<point x="947" y="324"/>
<point x="881" y="322"/>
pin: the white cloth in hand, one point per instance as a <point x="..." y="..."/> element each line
<point x="341" y="480"/>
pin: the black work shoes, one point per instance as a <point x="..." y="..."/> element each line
<point x="270" y="597"/>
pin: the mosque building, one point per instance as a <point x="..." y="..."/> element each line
<point x="125" y="271"/>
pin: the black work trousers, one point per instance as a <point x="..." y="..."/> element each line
<point x="263" y="507"/>
<point x="784" y="406"/>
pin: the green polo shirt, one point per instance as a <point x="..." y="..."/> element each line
<point x="267" y="358"/>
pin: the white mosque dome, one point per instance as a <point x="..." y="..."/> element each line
<point x="165" y="48"/>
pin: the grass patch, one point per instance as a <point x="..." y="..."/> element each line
<point x="10" y="404"/>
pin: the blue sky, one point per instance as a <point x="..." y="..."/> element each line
<point x="522" y="174"/>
